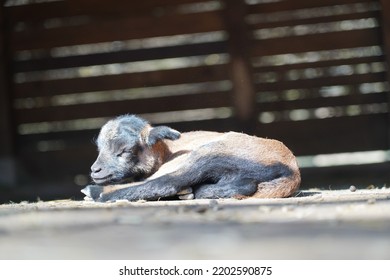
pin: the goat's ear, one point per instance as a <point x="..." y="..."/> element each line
<point x="161" y="132"/>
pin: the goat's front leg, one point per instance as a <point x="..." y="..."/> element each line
<point x="94" y="192"/>
<point x="155" y="189"/>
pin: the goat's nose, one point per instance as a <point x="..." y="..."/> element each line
<point x="95" y="169"/>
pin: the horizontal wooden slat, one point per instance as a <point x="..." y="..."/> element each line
<point x="334" y="177"/>
<point x="120" y="57"/>
<point x="319" y="64"/>
<point x="331" y="135"/>
<point x="86" y="138"/>
<point x="324" y="81"/>
<point x="39" y="12"/>
<point x="63" y="163"/>
<point x="138" y="106"/>
<point x="71" y="139"/>
<point x="318" y="42"/>
<point x="316" y="20"/>
<point x="289" y="5"/>
<point x="220" y="125"/>
<point x="122" y="81"/>
<point x="116" y="30"/>
<point x="309" y="103"/>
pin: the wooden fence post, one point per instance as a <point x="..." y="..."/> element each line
<point x="7" y="140"/>
<point x="240" y="67"/>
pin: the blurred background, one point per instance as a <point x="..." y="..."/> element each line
<point x="313" y="74"/>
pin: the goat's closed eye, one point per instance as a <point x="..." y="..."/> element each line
<point x="123" y="153"/>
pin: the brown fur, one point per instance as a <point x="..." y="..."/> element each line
<point x="215" y="157"/>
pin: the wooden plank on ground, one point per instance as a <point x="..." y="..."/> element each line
<point x="316" y="224"/>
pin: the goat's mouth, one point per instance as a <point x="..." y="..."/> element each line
<point x="101" y="180"/>
<point x="110" y="179"/>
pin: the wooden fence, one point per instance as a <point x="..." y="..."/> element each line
<point x="310" y="73"/>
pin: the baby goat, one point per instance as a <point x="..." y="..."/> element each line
<point x="137" y="161"/>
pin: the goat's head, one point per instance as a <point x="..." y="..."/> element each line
<point x="127" y="151"/>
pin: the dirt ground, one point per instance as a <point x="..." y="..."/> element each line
<point x="315" y="224"/>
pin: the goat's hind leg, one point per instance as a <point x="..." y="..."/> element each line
<point x="236" y="188"/>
